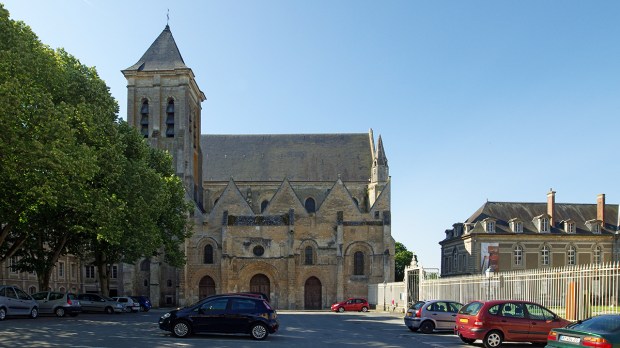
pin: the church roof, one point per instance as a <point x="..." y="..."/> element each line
<point x="162" y="55"/>
<point x="298" y="157"/>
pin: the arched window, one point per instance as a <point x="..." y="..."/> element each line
<point x="144" y="119"/>
<point x="62" y="289"/>
<point x="571" y="255"/>
<point x="208" y="256"/>
<point x="309" y="257"/>
<point x="310" y="205"/>
<point x="145" y="265"/>
<point x="32" y="290"/>
<point x="544" y="255"/>
<point x="518" y="255"/>
<point x="358" y="263"/>
<point x="170" y="119"/>
<point x="263" y="205"/>
<point x="169" y="283"/>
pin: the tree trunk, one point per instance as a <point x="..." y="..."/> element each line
<point x="104" y="273"/>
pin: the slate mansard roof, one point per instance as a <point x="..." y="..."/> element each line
<point x="162" y="55"/>
<point x="297" y="157"/>
<point x="526" y="213"/>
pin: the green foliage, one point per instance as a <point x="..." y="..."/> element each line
<point x="76" y="179"/>
<point x="402" y="258"/>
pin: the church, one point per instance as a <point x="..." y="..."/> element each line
<point x="302" y="218"/>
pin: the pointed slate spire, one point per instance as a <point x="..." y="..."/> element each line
<point x="162" y="55"/>
<point x="381" y="158"/>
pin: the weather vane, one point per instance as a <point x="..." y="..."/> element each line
<point x="168" y="17"/>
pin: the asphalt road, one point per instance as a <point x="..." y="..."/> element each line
<point x="297" y="329"/>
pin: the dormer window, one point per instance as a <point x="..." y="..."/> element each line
<point x="489" y="225"/>
<point x="542" y="222"/>
<point x="516" y="226"/>
<point x="594" y="226"/>
<point x="570" y="226"/>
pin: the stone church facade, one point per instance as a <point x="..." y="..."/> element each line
<point x="303" y="218"/>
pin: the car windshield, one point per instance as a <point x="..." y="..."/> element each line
<point x="600" y="324"/>
<point x="471" y="308"/>
<point x="417" y="305"/>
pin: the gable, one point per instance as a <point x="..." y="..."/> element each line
<point x="284" y="200"/>
<point x="339" y="199"/>
<point x="232" y="201"/>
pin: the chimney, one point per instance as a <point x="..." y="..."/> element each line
<point x="551" y="206"/>
<point x="600" y="208"/>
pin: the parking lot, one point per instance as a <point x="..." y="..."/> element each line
<point x="298" y="329"/>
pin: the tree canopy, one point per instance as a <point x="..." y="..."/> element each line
<point x="75" y="178"/>
<point x="402" y="258"/>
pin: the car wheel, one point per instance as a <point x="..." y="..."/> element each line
<point x="364" y="309"/>
<point x="493" y="339"/>
<point x="413" y="329"/>
<point x="60" y="312"/>
<point x="34" y="313"/>
<point x="109" y="310"/>
<point x="427" y="327"/>
<point x="259" y="332"/>
<point x="181" y="329"/>
<point x="467" y="340"/>
<point x="341" y="309"/>
<point x="2" y="313"/>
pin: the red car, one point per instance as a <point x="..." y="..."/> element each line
<point x="352" y="304"/>
<point x="497" y="321"/>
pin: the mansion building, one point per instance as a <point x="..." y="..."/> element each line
<point x="507" y="236"/>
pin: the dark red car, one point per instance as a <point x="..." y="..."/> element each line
<point x="352" y="304"/>
<point x="497" y="321"/>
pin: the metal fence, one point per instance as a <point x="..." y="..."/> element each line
<point x="388" y="297"/>
<point x="573" y="292"/>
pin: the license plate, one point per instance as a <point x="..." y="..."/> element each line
<point x="462" y="320"/>
<point x="569" y="339"/>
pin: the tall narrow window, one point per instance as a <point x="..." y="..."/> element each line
<point x="61" y="269"/>
<point x="144" y="120"/>
<point x="598" y="255"/>
<point x="170" y="119"/>
<point x="308" y="253"/>
<point x="90" y="272"/>
<point x="13" y="264"/>
<point x="310" y="205"/>
<point x="114" y="271"/>
<point x="455" y="259"/>
<point x="544" y="255"/>
<point x="358" y="263"/>
<point x="544" y="225"/>
<point x="571" y="254"/>
<point x="518" y="255"/>
<point x="208" y="254"/>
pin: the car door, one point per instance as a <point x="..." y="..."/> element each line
<point x="240" y="314"/>
<point x="42" y="299"/>
<point x="87" y="302"/>
<point x="541" y="322"/>
<point x="446" y="317"/>
<point x="513" y="322"/>
<point x="14" y="306"/>
<point x="210" y="316"/>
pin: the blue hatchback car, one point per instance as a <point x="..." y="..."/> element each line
<point x="144" y="301"/>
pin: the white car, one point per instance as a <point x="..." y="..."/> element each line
<point x="129" y="304"/>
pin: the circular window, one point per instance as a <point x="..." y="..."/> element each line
<point x="259" y="250"/>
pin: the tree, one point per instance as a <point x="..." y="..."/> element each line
<point x="402" y="259"/>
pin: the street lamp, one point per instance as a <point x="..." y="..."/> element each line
<point x="489" y="274"/>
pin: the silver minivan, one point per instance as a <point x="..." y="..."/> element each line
<point x="98" y="303"/>
<point x="428" y="316"/>
<point x="14" y="301"/>
<point x="61" y="304"/>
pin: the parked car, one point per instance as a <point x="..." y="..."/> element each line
<point x="98" y="303"/>
<point x="58" y="303"/>
<point x="128" y="303"/>
<point x="428" y="316"/>
<point x="14" y="301"/>
<point x="223" y="314"/>
<point x="143" y="301"/>
<point x="352" y="304"/>
<point x="497" y="321"/>
<point x="599" y="331"/>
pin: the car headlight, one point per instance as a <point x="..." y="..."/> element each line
<point x="167" y="315"/>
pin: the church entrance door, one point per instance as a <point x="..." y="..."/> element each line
<point x="206" y="287"/>
<point x="313" y="293"/>
<point x="260" y="283"/>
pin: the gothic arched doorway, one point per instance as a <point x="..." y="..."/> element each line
<point x="206" y="287"/>
<point x="260" y="283"/>
<point x="313" y="293"/>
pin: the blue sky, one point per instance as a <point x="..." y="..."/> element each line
<point x="474" y="100"/>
